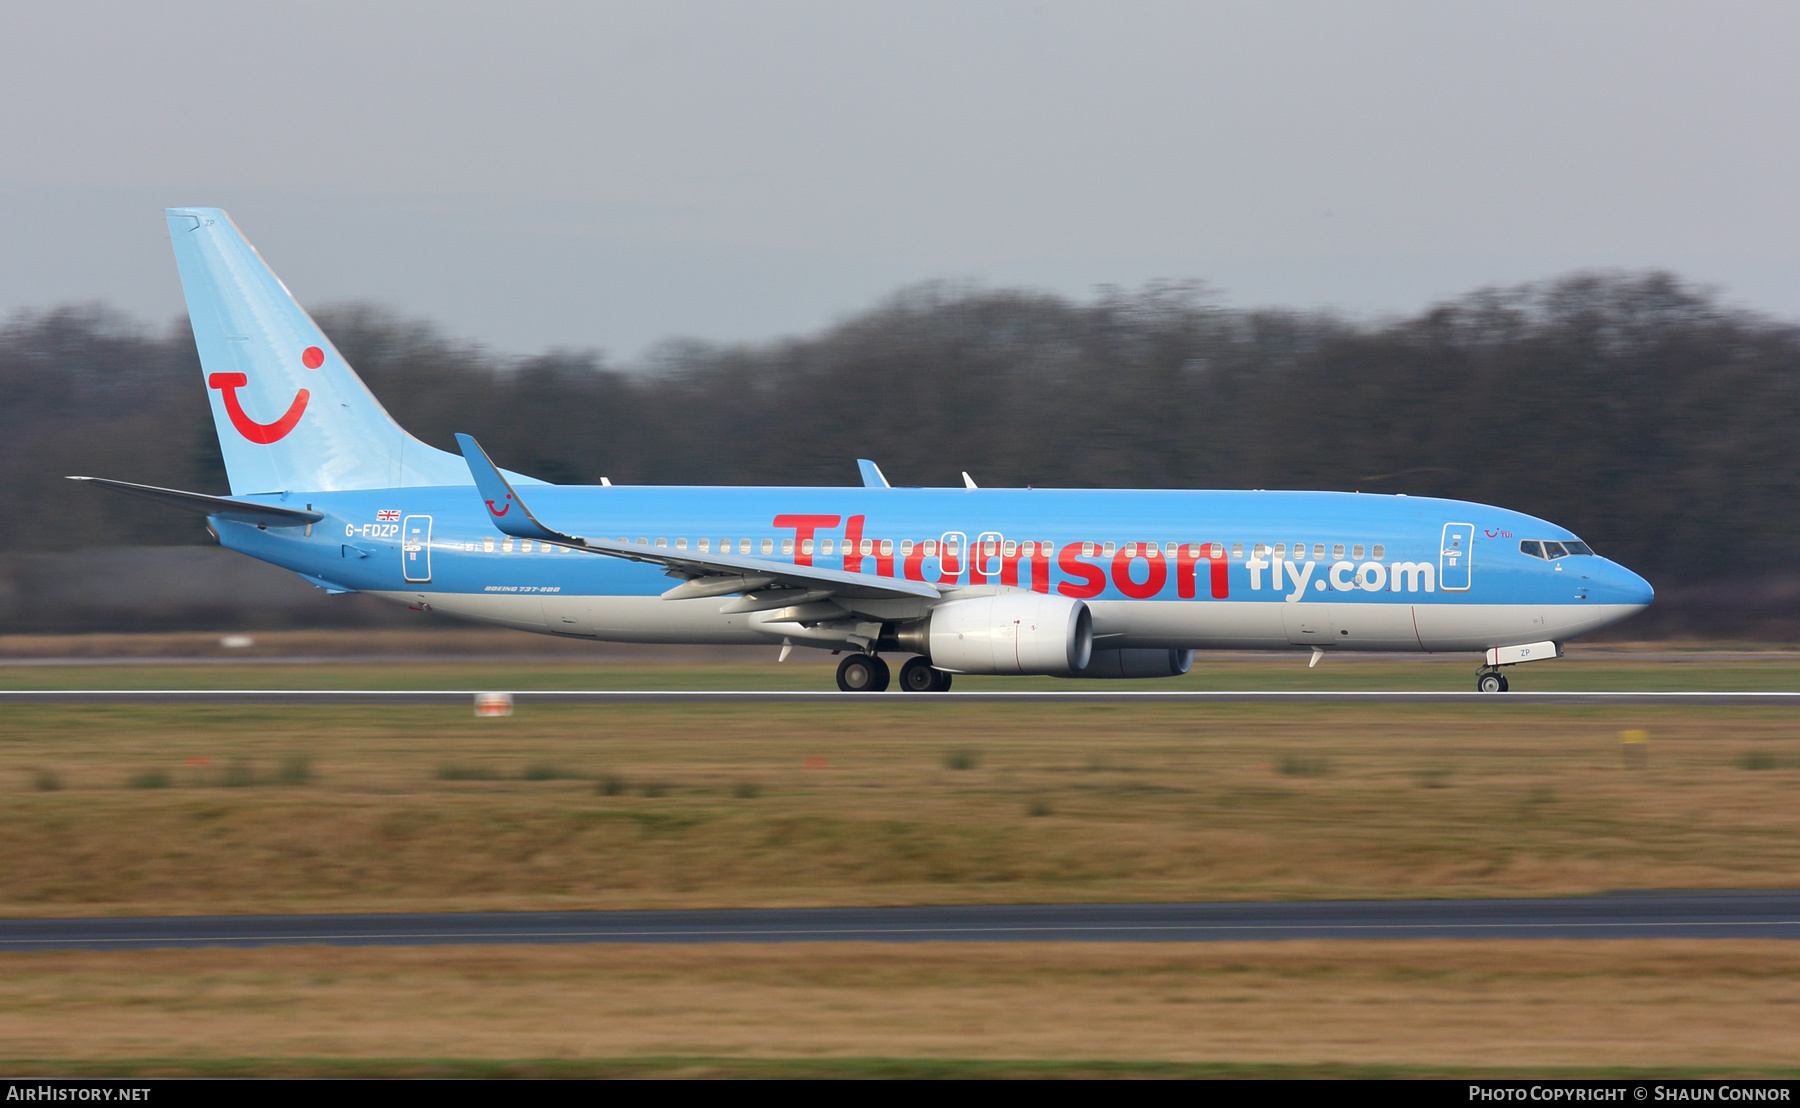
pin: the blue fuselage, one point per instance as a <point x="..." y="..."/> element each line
<point x="1178" y="569"/>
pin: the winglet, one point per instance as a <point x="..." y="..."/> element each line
<point x="505" y="510"/>
<point x="969" y="482"/>
<point x="871" y="474"/>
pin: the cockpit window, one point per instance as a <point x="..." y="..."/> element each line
<point x="1550" y="551"/>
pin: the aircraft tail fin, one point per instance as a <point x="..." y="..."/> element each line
<point x="290" y="412"/>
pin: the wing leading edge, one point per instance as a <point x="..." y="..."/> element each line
<point x="767" y="584"/>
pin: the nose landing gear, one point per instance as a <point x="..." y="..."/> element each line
<point x="862" y="673"/>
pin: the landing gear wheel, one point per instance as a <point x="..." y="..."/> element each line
<point x="862" y="673"/>
<point x="918" y="676"/>
<point x="1490" y="682"/>
<point x="943" y="681"/>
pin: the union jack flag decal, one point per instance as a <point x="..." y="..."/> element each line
<point x="388" y="514"/>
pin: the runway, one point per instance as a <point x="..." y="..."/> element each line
<point x="1725" y="914"/>
<point x="733" y="696"/>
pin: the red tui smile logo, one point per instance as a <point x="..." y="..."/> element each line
<point x="500" y="511"/>
<point x="264" y="433"/>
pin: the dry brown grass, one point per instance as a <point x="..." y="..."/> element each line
<point x="678" y="805"/>
<point x="1725" y="1006"/>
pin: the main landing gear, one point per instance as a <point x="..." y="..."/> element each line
<point x="862" y="673"/>
<point x="867" y="673"/>
<point x="918" y="676"/>
<point x="1490" y="680"/>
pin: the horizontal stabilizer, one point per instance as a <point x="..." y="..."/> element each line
<point x="226" y="507"/>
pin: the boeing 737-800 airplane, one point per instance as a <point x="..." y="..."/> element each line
<point x="1066" y="582"/>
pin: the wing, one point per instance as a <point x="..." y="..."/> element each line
<point x="765" y="583"/>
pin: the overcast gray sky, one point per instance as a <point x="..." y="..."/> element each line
<point x="589" y="174"/>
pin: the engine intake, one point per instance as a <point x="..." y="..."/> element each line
<point x="1013" y="633"/>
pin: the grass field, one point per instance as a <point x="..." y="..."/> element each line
<point x="198" y="809"/>
<point x="178" y="809"/>
<point x="1668" y="1007"/>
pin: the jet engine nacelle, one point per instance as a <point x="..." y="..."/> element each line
<point x="1011" y="632"/>
<point x="1138" y="663"/>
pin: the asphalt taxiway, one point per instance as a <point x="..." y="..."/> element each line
<point x="1723" y="914"/>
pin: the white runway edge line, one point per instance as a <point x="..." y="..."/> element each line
<point x="616" y="696"/>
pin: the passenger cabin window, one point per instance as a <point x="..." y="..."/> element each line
<point x="825" y="547"/>
<point x="806" y="546"/>
<point x="1337" y="550"/>
<point x="525" y="547"/>
<point x="487" y="544"/>
<point x="1237" y="551"/>
<point x="1357" y="551"/>
<point x="705" y="546"/>
<point x="1259" y="551"/>
<point x="662" y="543"/>
<point x="506" y="546"/>
<point x="1028" y="549"/>
<point x="887" y="547"/>
<point x="1281" y="550"/>
<point x="1107" y="550"/>
<point x="868" y="547"/>
<point x="1318" y="550"/>
<point x="743" y="546"/>
<point x="906" y="546"/>
<point x="681" y="544"/>
<point x="787" y="546"/>
<point x="768" y="546"/>
<point x="1379" y="552"/>
<point x="1218" y="550"/>
<point x="1087" y="550"/>
<point x="1010" y="550"/>
<point x="931" y="548"/>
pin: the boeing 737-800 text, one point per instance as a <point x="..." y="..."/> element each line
<point x="1065" y="582"/>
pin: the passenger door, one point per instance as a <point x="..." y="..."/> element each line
<point x="1455" y="557"/>
<point x="415" y="548"/>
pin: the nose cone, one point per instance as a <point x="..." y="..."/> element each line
<point x="1612" y="583"/>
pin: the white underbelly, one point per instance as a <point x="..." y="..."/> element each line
<point x="1204" y="625"/>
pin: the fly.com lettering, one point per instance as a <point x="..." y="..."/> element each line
<point x="1083" y="570"/>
